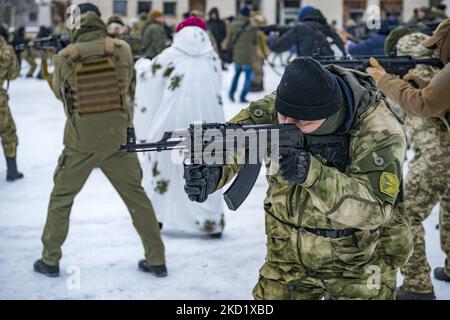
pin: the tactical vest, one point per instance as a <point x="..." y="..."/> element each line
<point x="97" y="87"/>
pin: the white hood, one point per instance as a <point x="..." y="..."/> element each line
<point x="193" y="41"/>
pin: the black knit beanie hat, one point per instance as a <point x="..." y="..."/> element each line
<point x="307" y="91"/>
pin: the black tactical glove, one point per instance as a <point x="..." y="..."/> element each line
<point x="294" y="164"/>
<point x="201" y="181"/>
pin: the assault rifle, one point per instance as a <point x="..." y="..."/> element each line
<point x="55" y="43"/>
<point x="275" y="28"/>
<point x="216" y="145"/>
<point x="399" y="65"/>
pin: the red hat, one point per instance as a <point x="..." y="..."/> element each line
<point x="192" y="22"/>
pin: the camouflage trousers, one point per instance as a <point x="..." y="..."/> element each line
<point x="7" y="127"/>
<point x="30" y="57"/>
<point x="328" y="286"/>
<point x="427" y="184"/>
<point x="301" y="265"/>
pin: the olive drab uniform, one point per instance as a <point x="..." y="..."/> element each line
<point x="339" y="235"/>
<point x="9" y="70"/>
<point x="427" y="182"/>
<point x="92" y="76"/>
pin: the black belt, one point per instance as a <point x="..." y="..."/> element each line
<point x="333" y="234"/>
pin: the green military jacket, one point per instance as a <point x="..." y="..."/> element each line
<point x="95" y="132"/>
<point x="9" y="68"/>
<point x="154" y="39"/>
<point x="361" y="197"/>
<point x="246" y="44"/>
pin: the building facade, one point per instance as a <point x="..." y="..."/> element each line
<point x="275" y="11"/>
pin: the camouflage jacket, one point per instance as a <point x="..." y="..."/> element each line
<point x="9" y="68"/>
<point x="361" y="197"/>
<point x="423" y="133"/>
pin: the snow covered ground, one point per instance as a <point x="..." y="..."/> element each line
<point x="102" y="249"/>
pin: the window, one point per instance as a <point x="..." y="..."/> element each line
<point x="144" y="6"/>
<point x="120" y="7"/>
<point x="33" y="17"/>
<point x="355" y="10"/>
<point x="292" y="4"/>
<point x="170" y="9"/>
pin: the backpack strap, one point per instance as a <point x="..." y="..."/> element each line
<point x="109" y="46"/>
<point x="72" y="53"/>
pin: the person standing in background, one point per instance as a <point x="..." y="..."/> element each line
<point x="180" y="86"/>
<point x="243" y="37"/>
<point x="217" y="28"/>
<point x="154" y="38"/>
<point x="261" y="53"/>
<point x="9" y="70"/>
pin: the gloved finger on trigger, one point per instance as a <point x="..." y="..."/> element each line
<point x="285" y="151"/>
<point x="192" y="174"/>
<point x="192" y="190"/>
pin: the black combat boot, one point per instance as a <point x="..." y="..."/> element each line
<point x="159" y="271"/>
<point x="217" y="235"/>
<point x="440" y="274"/>
<point x="12" y="173"/>
<point x="45" y="269"/>
<point x="403" y="294"/>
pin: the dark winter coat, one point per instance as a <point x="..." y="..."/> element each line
<point x="373" y="46"/>
<point x="309" y="36"/>
<point x="217" y="29"/>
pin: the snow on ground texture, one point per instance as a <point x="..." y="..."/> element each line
<point x="102" y="243"/>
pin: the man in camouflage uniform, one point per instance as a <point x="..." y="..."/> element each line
<point x="427" y="180"/>
<point x="261" y="53"/>
<point x="429" y="100"/>
<point x="29" y="55"/>
<point x="9" y="70"/>
<point x="91" y="77"/>
<point x="139" y="25"/>
<point x="324" y="224"/>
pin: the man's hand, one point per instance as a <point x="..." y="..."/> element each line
<point x="294" y="164"/>
<point x="376" y="71"/>
<point x="413" y="78"/>
<point x="201" y="181"/>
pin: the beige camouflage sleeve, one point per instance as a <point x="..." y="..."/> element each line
<point x="364" y="196"/>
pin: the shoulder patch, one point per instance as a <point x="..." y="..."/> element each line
<point x="389" y="184"/>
